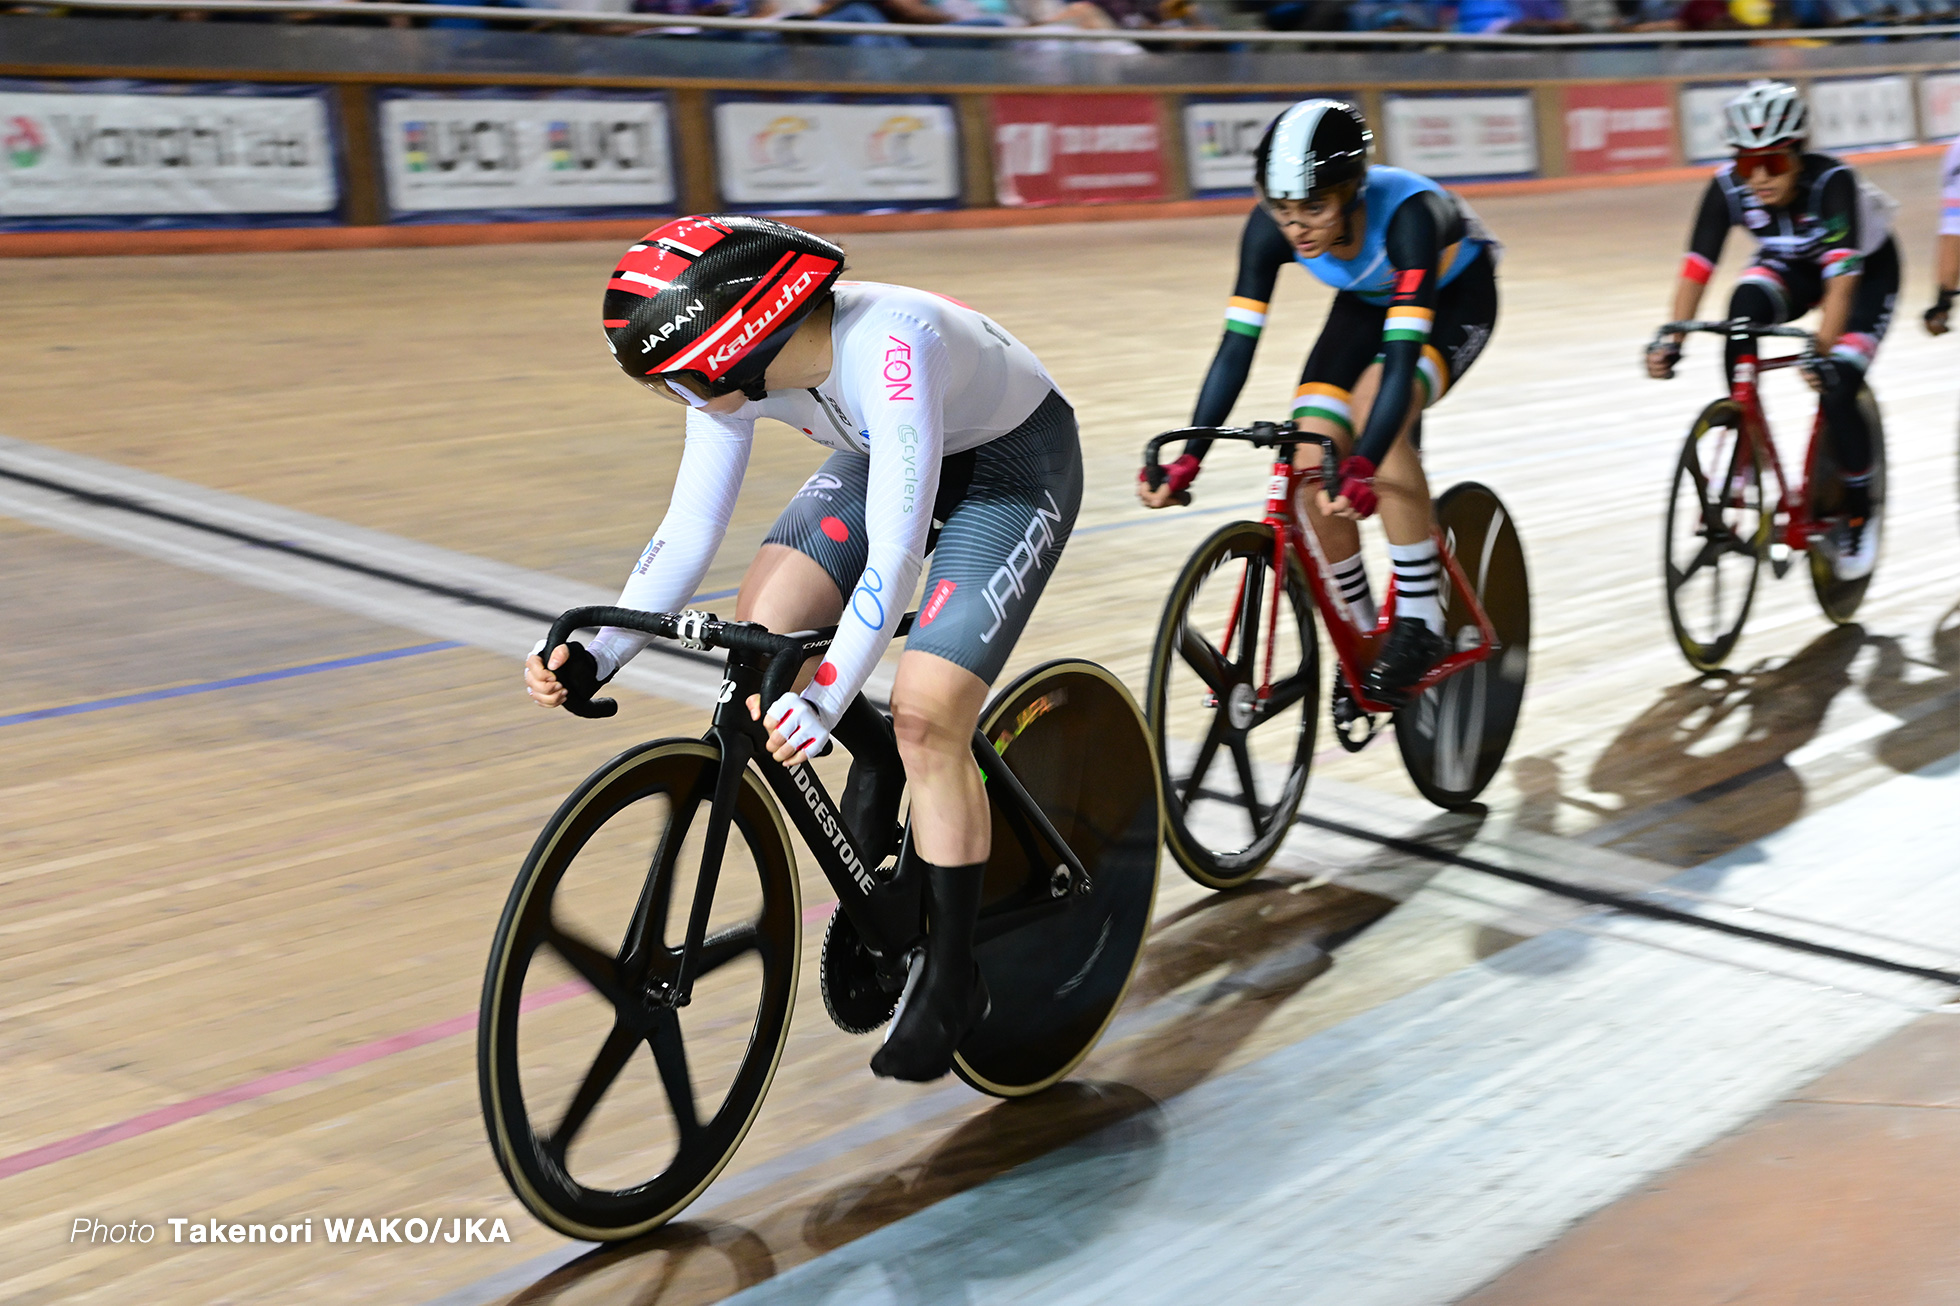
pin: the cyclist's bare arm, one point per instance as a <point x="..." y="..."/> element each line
<point x="1705" y="240"/>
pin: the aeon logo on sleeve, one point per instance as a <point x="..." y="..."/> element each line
<point x="898" y="370"/>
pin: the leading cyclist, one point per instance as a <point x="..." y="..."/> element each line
<point x="1825" y="237"/>
<point x="1417" y="276"/>
<point x="936" y="415"/>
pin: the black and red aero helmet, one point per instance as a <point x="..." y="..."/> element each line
<point x="717" y="295"/>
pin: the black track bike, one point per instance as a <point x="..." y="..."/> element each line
<point x="639" y="989"/>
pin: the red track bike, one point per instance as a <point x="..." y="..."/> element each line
<point x="1723" y="526"/>
<point x="1235" y="670"/>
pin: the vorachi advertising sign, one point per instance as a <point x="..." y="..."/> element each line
<point x="1462" y="135"/>
<point x="446" y="153"/>
<point x="75" y="154"/>
<point x="1221" y="136"/>
<point x="1848" y="112"/>
<point x="790" y="153"/>
<point x="1077" y="149"/>
<point x="1618" y="128"/>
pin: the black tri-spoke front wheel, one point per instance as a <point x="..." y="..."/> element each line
<point x="1234" y="679"/>
<point x="1718" y="531"/>
<point x="615" y="1086"/>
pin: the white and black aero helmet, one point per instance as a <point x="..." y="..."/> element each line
<point x="1768" y="113"/>
<point x="1313" y="146"/>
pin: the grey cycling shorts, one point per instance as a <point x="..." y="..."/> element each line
<point x="1001" y="517"/>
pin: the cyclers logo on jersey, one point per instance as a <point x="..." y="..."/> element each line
<point x="832" y="828"/>
<point x="1010" y="579"/>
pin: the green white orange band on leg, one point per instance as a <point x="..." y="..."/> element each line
<point x="1407" y="322"/>
<point x="1247" y="317"/>
<point x="1327" y="402"/>
<point x="1434" y="374"/>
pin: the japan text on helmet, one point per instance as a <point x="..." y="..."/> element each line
<point x="717" y="296"/>
<point x="1314" y="146"/>
<point x="1768" y="113"/>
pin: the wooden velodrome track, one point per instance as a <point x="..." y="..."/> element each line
<point x="244" y="930"/>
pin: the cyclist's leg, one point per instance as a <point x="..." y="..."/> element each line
<point x="1851" y="356"/>
<point x="1856" y="535"/>
<point x="1770" y="292"/>
<point x="1331" y="401"/>
<point x="812" y="556"/>
<point x="999" y="545"/>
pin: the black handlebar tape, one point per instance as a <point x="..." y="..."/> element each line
<point x="1330" y="469"/>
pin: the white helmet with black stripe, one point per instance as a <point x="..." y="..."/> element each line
<point x="1314" y="146"/>
<point x="1767" y="114"/>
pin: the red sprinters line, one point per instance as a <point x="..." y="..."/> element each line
<point x="163" y="1117"/>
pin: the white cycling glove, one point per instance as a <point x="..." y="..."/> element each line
<point x="801" y="722"/>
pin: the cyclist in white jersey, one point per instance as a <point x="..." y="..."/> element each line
<point x="1946" y="258"/>
<point x="937" y="415"/>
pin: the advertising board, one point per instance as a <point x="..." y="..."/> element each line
<point x="1618" y="128"/>
<point x="1445" y="136"/>
<point x="458" y="155"/>
<point x="797" y="153"/>
<point x="1848" y="113"/>
<point x="1939" y="106"/>
<point x="1701" y="121"/>
<point x="125" y="154"/>
<point x="1077" y="149"/>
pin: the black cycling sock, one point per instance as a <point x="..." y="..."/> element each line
<point x="949" y="998"/>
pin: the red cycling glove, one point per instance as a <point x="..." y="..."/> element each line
<point x="1358" y="484"/>
<point x="1178" y="473"/>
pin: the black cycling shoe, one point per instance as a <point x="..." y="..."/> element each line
<point x="1411" y="649"/>
<point x="945" y="996"/>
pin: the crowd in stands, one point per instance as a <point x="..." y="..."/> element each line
<point x="1541" y="17"/>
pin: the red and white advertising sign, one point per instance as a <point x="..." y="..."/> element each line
<point x="1618" y="128"/>
<point x="1077" y="149"/>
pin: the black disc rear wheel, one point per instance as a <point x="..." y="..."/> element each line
<point x="1058" y="960"/>
<point x="610" y="1105"/>
<point x="1454" y="734"/>
<point x="1235" y="763"/>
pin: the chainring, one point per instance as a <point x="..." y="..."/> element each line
<point x="847" y="975"/>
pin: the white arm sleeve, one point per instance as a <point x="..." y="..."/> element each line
<point x="906" y="422"/>
<point x="677" y="557"/>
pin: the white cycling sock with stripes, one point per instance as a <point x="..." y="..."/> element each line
<point x="1351" y="579"/>
<point x="1418" y="572"/>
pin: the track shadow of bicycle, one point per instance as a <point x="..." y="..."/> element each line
<point x="1114" y="1136"/>
<point x="1705" y="768"/>
<point x="1212" y="974"/>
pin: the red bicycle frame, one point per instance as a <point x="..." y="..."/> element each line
<point x="1288" y="494"/>
<point x="1795" y="525"/>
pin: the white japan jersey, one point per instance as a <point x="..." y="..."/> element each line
<point x="914" y="376"/>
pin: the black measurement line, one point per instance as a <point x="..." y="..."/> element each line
<point x="1617" y="901"/>
<point x="123" y="503"/>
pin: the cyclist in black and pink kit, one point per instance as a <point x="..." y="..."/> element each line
<point x="949" y="437"/>
<point x="1417" y="276"/>
<point x="1825" y="238"/>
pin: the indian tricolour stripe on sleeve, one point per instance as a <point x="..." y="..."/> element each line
<point x="1245" y="316"/>
<point x="1407" y="322"/>
<point x="1318" y="399"/>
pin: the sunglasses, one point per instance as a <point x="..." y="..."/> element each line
<point x="1774" y="162"/>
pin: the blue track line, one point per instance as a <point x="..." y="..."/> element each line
<point x="231" y="682"/>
